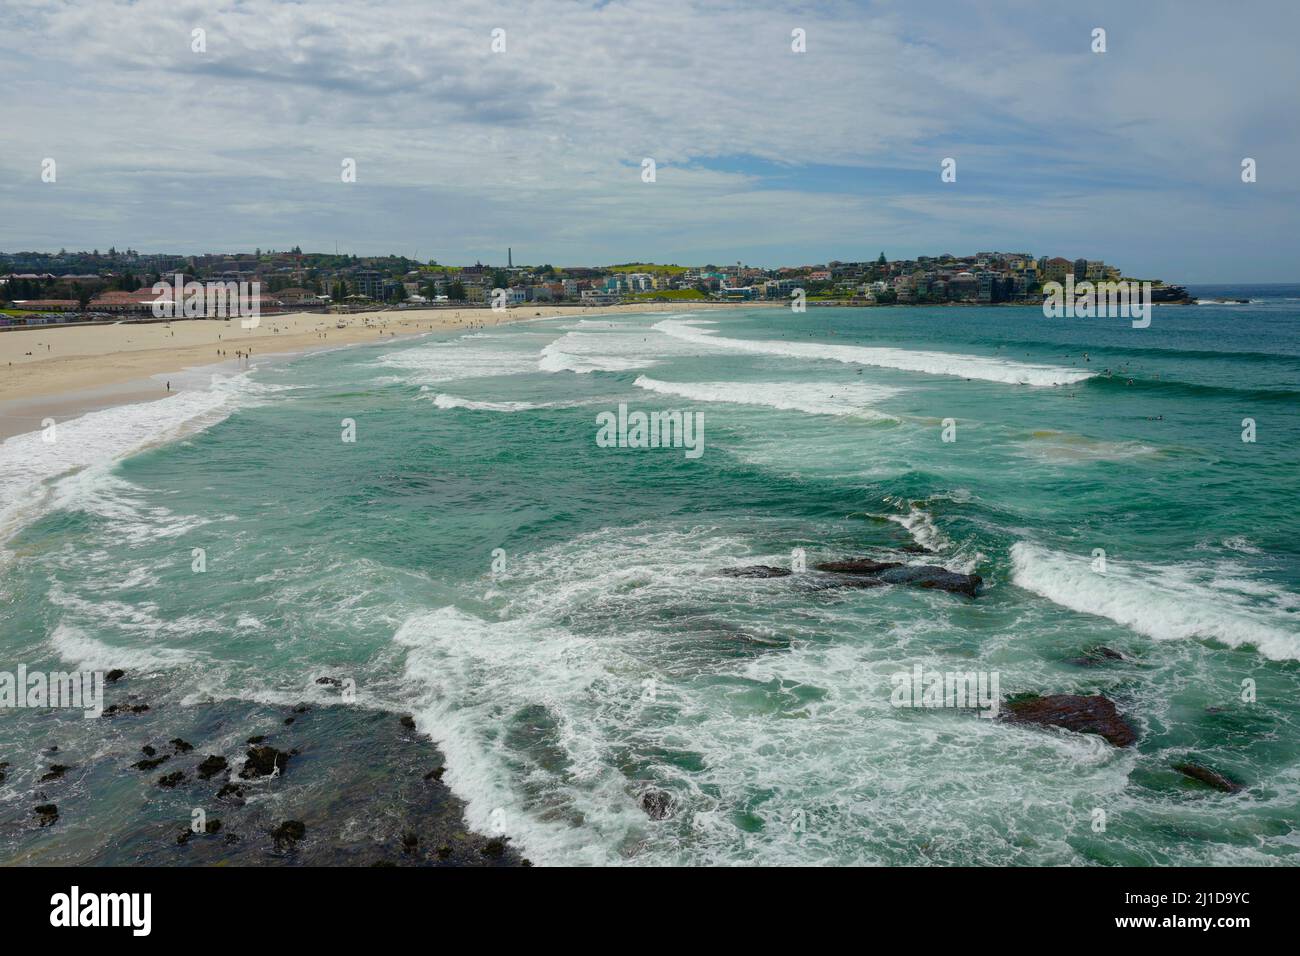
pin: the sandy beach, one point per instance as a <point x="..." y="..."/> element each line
<point x="64" y="371"/>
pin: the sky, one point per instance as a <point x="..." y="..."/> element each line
<point x="762" y="154"/>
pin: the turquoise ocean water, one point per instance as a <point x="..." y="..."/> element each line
<point x="549" y="610"/>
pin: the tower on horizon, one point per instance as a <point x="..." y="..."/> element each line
<point x="510" y="258"/>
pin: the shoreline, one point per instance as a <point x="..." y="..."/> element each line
<point x="64" y="372"/>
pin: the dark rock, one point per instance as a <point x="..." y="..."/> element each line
<point x="331" y="681"/>
<point x="657" y="804"/>
<point x="494" y="848"/>
<point x="116" y="674"/>
<point x="859" y="566"/>
<point x="114" y="709"/>
<point x="47" y="814"/>
<point x="181" y="746"/>
<point x="257" y="740"/>
<point x="444" y="852"/>
<point x="56" y="772"/>
<point x="435" y="774"/>
<point x="410" y="842"/>
<point x="757" y="571"/>
<point x="866" y="573"/>
<point x="289" y="720"/>
<point x="928" y="576"/>
<point x="184" y="836"/>
<point x="1084" y="715"/>
<point x="302" y="709"/>
<point x="212" y="826"/>
<point x="148" y="751"/>
<point x="408" y="721"/>
<point x="230" y="790"/>
<point x="171" y="780"/>
<point x="5" y="766"/>
<point x="1205" y="775"/>
<point x="287" y="834"/>
<point x="262" y="762"/>
<point x="149" y="764"/>
<point x="211" y="766"/>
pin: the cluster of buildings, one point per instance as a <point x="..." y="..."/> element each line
<point x="42" y="287"/>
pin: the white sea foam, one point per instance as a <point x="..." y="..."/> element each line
<point x="815" y="398"/>
<point x="620" y="660"/>
<point x="28" y="462"/>
<point x="575" y="352"/>
<point x="433" y="363"/>
<point x="78" y="648"/>
<point x="1164" y="602"/>
<point x="931" y="363"/>
<point x="920" y="525"/>
<point x="452" y="401"/>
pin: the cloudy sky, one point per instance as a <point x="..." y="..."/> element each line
<point x="762" y="154"/>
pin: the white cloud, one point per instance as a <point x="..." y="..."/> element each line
<point x="462" y="151"/>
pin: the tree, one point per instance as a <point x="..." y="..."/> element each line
<point x="456" y="292"/>
<point x="882" y="260"/>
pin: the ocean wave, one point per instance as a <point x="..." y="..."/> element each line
<point x="557" y="360"/>
<point x="1164" y="602"/>
<point x="931" y="363"/>
<point x="1165" y="386"/>
<point x="852" y="399"/>
<point x="442" y="400"/>
<point x="78" y="648"/>
<point x="434" y="363"/>
<point x="28" y="462"/>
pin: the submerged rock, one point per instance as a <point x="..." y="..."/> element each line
<point x="1084" y="715"/>
<point x="115" y="675"/>
<point x="288" y="833"/>
<point x="756" y="571"/>
<point x="263" y="762"/>
<point x="231" y="790"/>
<point x="657" y="804"/>
<point x="149" y="764"/>
<point x="56" y="772"/>
<point x="869" y="573"/>
<point x="1205" y="775"/>
<point x="115" y="709"/>
<point x="929" y="576"/>
<point x="1097" y="655"/>
<point x="171" y="780"/>
<point x="47" y="814"/>
<point x="180" y="746"/>
<point x="858" y="566"/>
